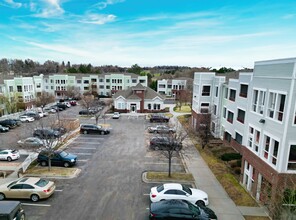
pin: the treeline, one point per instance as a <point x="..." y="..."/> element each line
<point x="29" y="67"/>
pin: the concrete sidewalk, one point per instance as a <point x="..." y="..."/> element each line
<point x="205" y="180"/>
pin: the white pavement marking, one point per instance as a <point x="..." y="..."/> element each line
<point x="58" y="190"/>
<point x="83" y="142"/>
<point x="174" y="164"/>
<point x="41" y="205"/>
<point x="82" y="160"/>
<point x="84" y="153"/>
<point x="85" y="148"/>
<point x="145" y="194"/>
<point x="90" y="138"/>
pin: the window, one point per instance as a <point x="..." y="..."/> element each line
<point x="258" y="101"/>
<point x="169" y="86"/>
<point x="38" y="85"/>
<point x="51" y="81"/>
<point x="93" y="80"/>
<point x="206" y="91"/>
<point x="241" y="116"/>
<point x="134" y="80"/>
<point x="243" y="91"/>
<point x="142" y="80"/>
<point x="204" y="107"/>
<point x="238" y="138"/>
<point x="101" y="80"/>
<point x="227" y="136"/>
<point x="217" y="90"/>
<point x="276" y="106"/>
<point x="224" y="112"/>
<point x="149" y="106"/>
<point x="63" y="81"/>
<point x="161" y="86"/>
<point x="86" y="81"/>
<point x="57" y="81"/>
<point x="107" y="80"/>
<point x="19" y="88"/>
<point x="232" y="95"/>
<point x="254" y="139"/>
<point x="213" y="127"/>
<point x="86" y="88"/>
<point x="78" y="81"/>
<point x="101" y="86"/>
<point x="270" y="151"/>
<point x="215" y="109"/>
<point x="292" y="158"/>
<point x="10" y="88"/>
<point x="107" y="87"/>
<point x="230" y="117"/>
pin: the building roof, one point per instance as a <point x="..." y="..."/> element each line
<point x="129" y="94"/>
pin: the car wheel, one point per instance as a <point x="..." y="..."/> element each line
<point x="155" y="132"/>
<point x="2" y="196"/>
<point x="9" y="159"/>
<point x="200" y="203"/>
<point x="156" y="148"/>
<point x="102" y="132"/>
<point x="43" y="163"/>
<point x="34" y="198"/>
<point x="84" y="132"/>
<point x="66" y="164"/>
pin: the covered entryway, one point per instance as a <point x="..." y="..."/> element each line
<point x="133" y="107"/>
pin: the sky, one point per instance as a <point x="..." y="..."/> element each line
<point x="195" y="33"/>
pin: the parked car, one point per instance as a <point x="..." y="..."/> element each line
<point x="11" y="210"/>
<point x="159" y="118"/>
<point x="31" y="142"/>
<point x="93" y="129"/>
<point x="87" y="112"/>
<point x="3" y="129"/>
<point x="46" y="133"/>
<point x="179" y="209"/>
<point x="10" y="123"/>
<point x="35" y="115"/>
<point x="161" y="129"/>
<point x="178" y="191"/>
<point x="49" y="110"/>
<point x="17" y="121"/>
<point x="57" y="158"/>
<point x="61" y="105"/>
<point x="116" y="115"/>
<point x="73" y="103"/>
<point x="25" y="118"/>
<point x="164" y="143"/>
<point x="27" y="188"/>
<point x="9" y="155"/>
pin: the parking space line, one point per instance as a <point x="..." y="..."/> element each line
<point x="32" y="204"/>
<point x="88" y="138"/>
<point x="173" y="164"/>
<point x="83" y="142"/>
<point x="84" y="153"/>
<point x="145" y="194"/>
<point x="82" y="160"/>
<point x="58" y="190"/>
<point x="86" y="148"/>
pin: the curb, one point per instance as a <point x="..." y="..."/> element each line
<point x="145" y="180"/>
<point x="76" y="173"/>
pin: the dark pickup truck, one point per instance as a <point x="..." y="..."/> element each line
<point x="11" y="210"/>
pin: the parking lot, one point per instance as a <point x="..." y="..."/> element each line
<point x="110" y="184"/>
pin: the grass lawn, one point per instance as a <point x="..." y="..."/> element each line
<point x="256" y="218"/>
<point x="184" y="109"/>
<point x="174" y="176"/>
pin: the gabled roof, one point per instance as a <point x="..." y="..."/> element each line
<point x="129" y="93"/>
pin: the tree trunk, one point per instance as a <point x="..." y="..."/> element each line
<point x="170" y="164"/>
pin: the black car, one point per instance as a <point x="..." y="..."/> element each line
<point x="93" y="129"/>
<point x="10" y="123"/>
<point x="57" y="158"/>
<point x="11" y="210"/>
<point x="87" y="112"/>
<point x="179" y="209"/>
<point x="61" y="105"/>
<point x="164" y="143"/>
<point x="159" y="118"/>
<point x="46" y="133"/>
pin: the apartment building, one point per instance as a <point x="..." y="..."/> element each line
<point x="255" y="113"/>
<point x="173" y="87"/>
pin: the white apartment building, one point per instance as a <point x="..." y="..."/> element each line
<point x="24" y="90"/>
<point x="171" y="87"/>
<point x="255" y="113"/>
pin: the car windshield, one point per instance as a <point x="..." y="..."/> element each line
<point x="63" y="154"/>
<point x="160" y="188"/>
<point x="41" y="183"/>
<point x="187" y="189"/>
<point x="194" y="209"/>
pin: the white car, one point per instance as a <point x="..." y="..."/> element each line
<point x="178" y="191"/>
<point x="116" y="115"/>
<point x="9" y="155"/>
<point x="25" y="118"/>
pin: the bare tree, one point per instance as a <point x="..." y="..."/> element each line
<point x="169" y="144"/>
<point x="87" y="100"/>
<point x="44" y="98"/>
<point x="10" y="103"/>
<point x="73" y="92"/>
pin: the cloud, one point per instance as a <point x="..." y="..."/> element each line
<point x="97" y="19"/>
<point x="52" y="9"/>
<point x="102" y="5"/>
<point x="11" y="3"/>
<point x="288" y="16"/>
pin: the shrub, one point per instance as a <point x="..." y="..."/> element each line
<point x="231" y="156"/>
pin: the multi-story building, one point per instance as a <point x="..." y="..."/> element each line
<point x="255" y="113"/>
<point x="173" y="87"/>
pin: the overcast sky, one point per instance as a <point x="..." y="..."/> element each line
<point x="196" y="33"/>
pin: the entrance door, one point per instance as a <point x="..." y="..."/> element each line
<point x="133" y="107"/>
